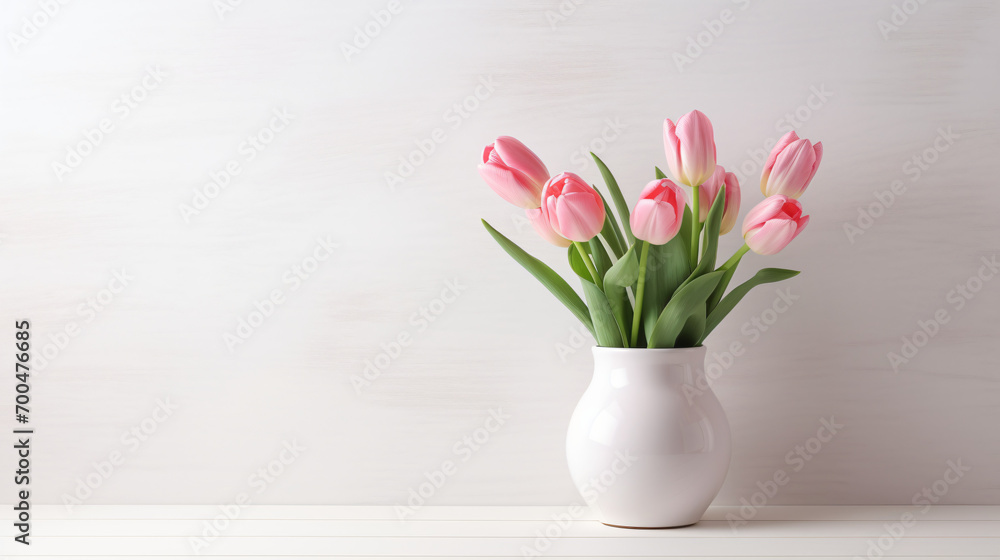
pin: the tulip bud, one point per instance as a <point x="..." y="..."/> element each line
<point x="658" y="215"/>
<point x="773" y="223"/>
<point x="791" y="166"/>
<point x="544" y="230"/>
<point x="514" y="172"/>
<point x="572" y="207"/>
<point x="720" y="180"/>
<point x="690" y="147"/>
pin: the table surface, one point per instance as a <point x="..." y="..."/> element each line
<point x="264" y="532"/>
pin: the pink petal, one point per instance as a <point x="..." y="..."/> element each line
<point x="818" y="150"/>
<point x="709" y="190"/>
<point x="641" y="219"/>
<point x="791" y="209"/>
<point x="765" y="210"/>
<point x="515" y="154"/>
<point x="576" y="185"/>
<point x="672" y="145"/>
<point x="732" y="210"/>
<point x="697" y="147"/>
<point x="512" y="185"/>
<point x="655" y="222"/>
<point x="657" y="216"/>
<point x="544" y="230"/>
<point x="576" y="216"/>
<point x="667" y="223"/>
<point x="650" y="190"/>
<point x="801" y="225"/>
<point x="548" y="210"/>
<point x="772" y="237"/>
<point x="784" y="141"/>
<point x="552" y="187"/>
<point x="792" y="169"/>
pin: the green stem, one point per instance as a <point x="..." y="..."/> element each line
<point x="590" y="265"/>
<point x="695" y="227"/>
<point x="735" y="259"/>
<point x="639" y="293"/>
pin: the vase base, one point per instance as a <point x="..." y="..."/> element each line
<point x="649" y="528"/>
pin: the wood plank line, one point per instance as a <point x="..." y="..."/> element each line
<point x="449" y="547"/>
<point x="483" y="532"/>
<point x="255" y="528"/>
<point x="498" y="513"/>
<point x="284" y="556"/>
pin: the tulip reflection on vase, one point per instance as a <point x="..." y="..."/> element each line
<point x="653" y="293"/>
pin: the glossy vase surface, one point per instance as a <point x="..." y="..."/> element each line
<point x="649" y="443"/>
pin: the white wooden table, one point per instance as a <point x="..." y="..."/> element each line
<point x="265" y="532"/>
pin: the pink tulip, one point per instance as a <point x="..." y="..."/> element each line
<point x="773" y="224"/>
<point x="572" y="207"/>
<point x="710" y="189"/>
<point x="690" y="147"/>
<point x="514" y="172"/>
<point x="543" y="228"/>
<point x="791" y="166"/>
<point x="657" y="216"/>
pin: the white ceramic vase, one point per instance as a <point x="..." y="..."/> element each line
<point x="649" y="444"/>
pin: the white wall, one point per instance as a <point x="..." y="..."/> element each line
<point x="556" y="83"/>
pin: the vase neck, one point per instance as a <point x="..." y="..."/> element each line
<point x="661" y="366"/>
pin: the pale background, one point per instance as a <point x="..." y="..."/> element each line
<point x="558" y="79"/>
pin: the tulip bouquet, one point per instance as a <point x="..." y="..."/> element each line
<point x="651" y="281"/>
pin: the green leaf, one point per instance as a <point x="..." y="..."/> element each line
<point x="713" y="222"/>
<point x="720" y="290"/>
<point x="659" y="174"/>
<point x="546" y="276"/>
<point x="607" y="330"/>
<point x="693" y="329"/>
<point x="763" y="276"/>
<point x="685" y="232"/>
<point x="599" y="256"/>
<point x="667" y="267"/>
<point x="576" y="262"/>
<point x="611" y="233"/>
<point x="686" y="301"/>
<point x="616" y="196"/>
<point x="624" y="273"/>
